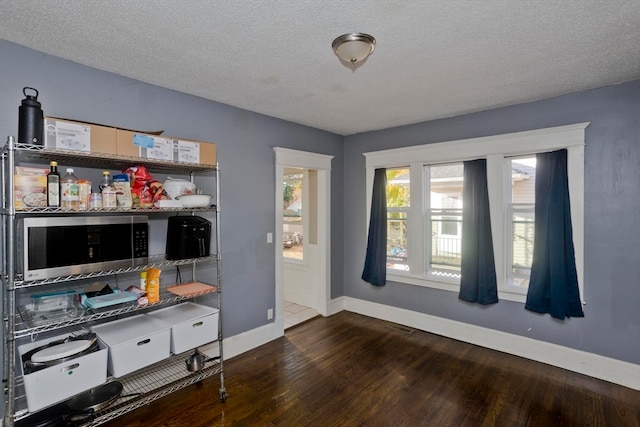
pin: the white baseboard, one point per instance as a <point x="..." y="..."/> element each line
<point x="605" y="368"/>
<point x="244" y="341"/>
<point x="335" y="306"/>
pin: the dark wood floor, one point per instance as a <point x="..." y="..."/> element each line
<point x="351" y="370"/>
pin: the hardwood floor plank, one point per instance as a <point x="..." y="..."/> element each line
<point x="351" y="370"/>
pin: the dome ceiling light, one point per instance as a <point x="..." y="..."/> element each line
<point x="353" y="48"/>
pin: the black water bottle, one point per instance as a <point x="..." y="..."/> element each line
<point x="30" y="119"/>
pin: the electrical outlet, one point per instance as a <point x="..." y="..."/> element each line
<point x="269" y="237"/>
<point x="270" y="314"/>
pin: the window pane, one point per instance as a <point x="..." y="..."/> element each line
<point x="292" y="228"/>
<point x="445" y="198"/>
<point x="397" y="241"/>
<point x="523" y="179"/>
<point x="398" y="188"/>
<point x="397" y="209"/>
<point x="522" y="238"/>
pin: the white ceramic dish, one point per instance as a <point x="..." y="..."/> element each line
<point x="178" y="187"/>
<point x="195" y="200"/>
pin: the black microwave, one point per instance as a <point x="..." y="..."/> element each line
<point x="61" y="246"/>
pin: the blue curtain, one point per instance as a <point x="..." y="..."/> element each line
<point x="375" y="262"/>
<point x="478" y="282"/>
<point x="553" y="286"/>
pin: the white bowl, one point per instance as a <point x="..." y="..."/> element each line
<point x="195" y="200"/>
<point x="178" y="187"/>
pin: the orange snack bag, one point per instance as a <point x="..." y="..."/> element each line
<point x="153" y="285"/>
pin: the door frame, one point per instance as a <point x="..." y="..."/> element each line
<point x="322" y="263"/>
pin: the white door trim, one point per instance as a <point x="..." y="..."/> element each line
<point x="321" y="163"/>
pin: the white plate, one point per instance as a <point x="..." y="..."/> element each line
<point x="60" y="351"/>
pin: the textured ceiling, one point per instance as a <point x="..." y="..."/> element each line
<point x="433" y="59"/>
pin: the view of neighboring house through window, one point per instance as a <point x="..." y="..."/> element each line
<point x="521" y="226"/>
<point x="444" y="185"/>
<point x="398" y="203"/>
<point x="292" y="221"/>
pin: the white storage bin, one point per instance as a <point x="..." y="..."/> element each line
<point x="191" y="325"/>
<point x="59" y="382"/>
<point x="134" y="342"/>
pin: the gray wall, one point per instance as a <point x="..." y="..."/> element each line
<point x="245" y="142"/>
<point x="611" y="326"/>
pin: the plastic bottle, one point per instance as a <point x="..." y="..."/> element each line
<point x="108" y="192"/>
<point x="109" y="200"/>
<point x="106" y="180"/>
<point x="53" y="186"/>
<point x="69" y="191"/>
<point x="143" y="280"/>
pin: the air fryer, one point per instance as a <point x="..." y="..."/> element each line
<point x="188" y="237"/>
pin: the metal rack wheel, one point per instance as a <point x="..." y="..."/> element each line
<point x="223" y="395"/>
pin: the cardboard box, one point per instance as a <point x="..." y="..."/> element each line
<point x="148" y="146"/>
<point x="59" y="382"/>
<point x="29" y="187"/>
<point x="72" y="135"/>
<point x="192" y="325"/>
<point x="134" y="342"/>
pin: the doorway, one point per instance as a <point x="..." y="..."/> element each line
<point x="302" y="237"/>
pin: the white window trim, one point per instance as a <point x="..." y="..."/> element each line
<point x="494" y="149"/>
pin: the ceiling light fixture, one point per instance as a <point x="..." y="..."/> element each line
<point x="353" y="47"/>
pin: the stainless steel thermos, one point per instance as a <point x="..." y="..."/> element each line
<point x="30" y="119"/>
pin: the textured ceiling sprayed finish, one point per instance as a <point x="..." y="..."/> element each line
<point x="433" y="59"/>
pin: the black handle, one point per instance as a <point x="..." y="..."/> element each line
<point x="147" y="341"/>
<point x="24" y="91"/>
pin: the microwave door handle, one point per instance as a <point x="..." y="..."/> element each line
<point x="201" y="242"/>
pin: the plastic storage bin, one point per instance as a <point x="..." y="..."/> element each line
<point x="192" y="325"/>
<point x="63" y="380"/>
<point x="134" y="342"/>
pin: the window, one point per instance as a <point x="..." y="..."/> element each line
<point x="520" y="229"/>
<point x="398" y="203"/>
<point x="292" y="209"/>
<point x="444" y="219"/>
<point x="424" y="205"/>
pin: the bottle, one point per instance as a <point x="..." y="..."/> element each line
<point x="30" y="119"/>
<point x="143" y="280"/>
<point x="95" y="201"/>
<point x="53" y="186"/>
<point x="109" y="200"/>
<point x="69" y="191"/>
<point x="106" y="180"/>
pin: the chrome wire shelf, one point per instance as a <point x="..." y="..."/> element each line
<point x="145" y="385"/>
<point x="38" y="153"/>
<point x="151" y="384"/>
<point x="58" y="211"/>
<point x="22" y="329"/>
<point x="157" y="261"/>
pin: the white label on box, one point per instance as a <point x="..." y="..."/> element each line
<point x="67" y="136"/>
<point x="162" y="150"/>
<point x="188" y="152"/>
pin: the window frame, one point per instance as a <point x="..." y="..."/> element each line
<point x="495" y="149"/>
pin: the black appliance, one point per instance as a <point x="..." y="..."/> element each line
<point x="188" y="237"/>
